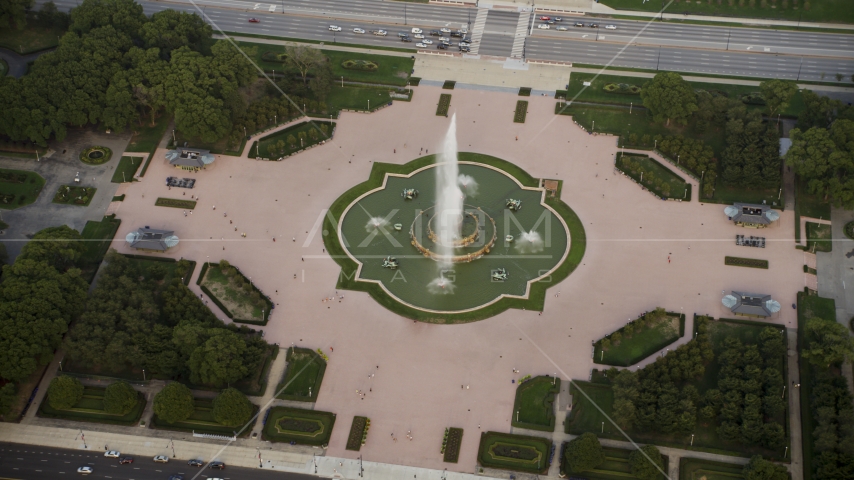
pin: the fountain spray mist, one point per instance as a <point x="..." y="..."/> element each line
<point x="449" y="198"/>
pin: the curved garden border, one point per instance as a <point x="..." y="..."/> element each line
<point x="536" y="290"/>
<point x="84" y="155"/>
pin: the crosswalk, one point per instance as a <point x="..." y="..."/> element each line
<point x="521" y="33"/>
<point x="477" y="29"/>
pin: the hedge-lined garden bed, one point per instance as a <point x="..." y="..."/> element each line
<point x="451" y="445"/>
<point x="305" y="427"/>
<point x="444" y="105"/>
<point x="90" y="408"/>
<point x="521" y="111"/>
<point x="96" y="155"/>
<point x="652" y="175"/>
<point x="303" y="376"/>
<point x="524" y="91"/>
<point x="449" y="84"/>
<point x="514" y="452"/>
<point x="74" y="195"/>
<point x="746" y="262"/>
<point x="19" y="188"/>
<point x="292" y="140"/>
<point x="175" y="203"/>
<point x="358" y="433"/>
<point x="534" y="405"/>
<point x="639" y="338"/>
<point x="234" y="294"/>
<point x="202" y="421"/>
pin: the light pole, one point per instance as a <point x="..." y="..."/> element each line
<point x="143" y="374"/>
<point x="173" y="138"/>
<point x="603" y="427"/>
<point x="692" y="439"/>
<point x="342" y="81"/>
<point x="369" y="104"/>
<point x="677" y="158"/>
<point x="554" y="379"/>
<point x="594" y="126"/>
<point x="60" y="365"/>
<point x="728" y="33"/>
<point x="244" y="131"/>
<point x="630" y="108"/>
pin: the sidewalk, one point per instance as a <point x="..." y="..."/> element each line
<point x="325" y="46"/>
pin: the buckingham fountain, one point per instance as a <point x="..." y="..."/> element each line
<point x="464" y="233"/>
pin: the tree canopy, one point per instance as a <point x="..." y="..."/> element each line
<point x="174" y="403"/>
<point x="13" y="13"/>
<point x="232" y="408"/>
<point x="584" y="453"/>
<point x="777" y="94"/>
<point x="761" y="469"/>
<point x="646" y="463"/>
<point x="829" y="343"/>
<point x="825" y="159"/>
<point x="64" y="392"/>
<point x="120" y="398"/>
<point x="669" y="97"/>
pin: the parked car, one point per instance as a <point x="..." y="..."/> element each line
<point x="405" y="39"/>
<point x="195" y="463"/>
<point x="124" y="460"/>
<point x="113" y="454"/>
<point x="420" y="45"/>
<point x="545" y="18"/>
<point x="85" y="470"/>
<point x="358" y="30"/>
<point x="610" y="27"/>
<point x="254" y="20"/>
<point x="445" y="30"/>
<point x="417" y="30"/>
<point x="161" y="459"/>
<point x="579" y="24"/>
<point x="381" y="33"/>
<point x="217" y="465"/>
<point x="543" y="26"/>
<point x="561" y="28"/>
<point x="427" y="42"/>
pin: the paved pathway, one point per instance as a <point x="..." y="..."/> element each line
<point x="266" y="400"/>
<point x="17" y="62"/>
<point x="796" y="468"/>
<point x="803" y="227"/>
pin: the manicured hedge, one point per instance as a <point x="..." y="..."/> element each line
<point x="746" y="262"/>
<point x="524" y="92"/>
<point x="91" y="409"/>
<point x="298" y="418"/>
<point x="521" y="111"/>
<point x="201" y="421"/>
<point x="444" y="105"/>
<point x="452" y="443"/>
<point x="358" y="433"/>
<point x="532" y="452"/>
<point x="175" y="203"/>
<point x="449" y="84"/>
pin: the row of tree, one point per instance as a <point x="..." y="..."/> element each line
<point x="133" y="320"/>
<point x="175" y="403"/>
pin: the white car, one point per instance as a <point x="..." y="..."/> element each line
<point x="561" y="29"/>
<point x="417" y="30"/>
<point x="85" y="470"/>
<point x="426" y="41"/>
<point x="381" y="33"/>
<point x="543" y="26"/>
<point x="444" y="39"/>
<point x="445" y="30"/>
<point x="420" y="45"/>
<point x="161" y="459"/>
<point x="610" y="27"/>
<point x="418" y="35"/>
<point x="113" y="454"/>
<point x="334" y="28"/>
<point x="358" y="30"/>
<point x="465" y="44"/>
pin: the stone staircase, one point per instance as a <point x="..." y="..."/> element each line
<point x="521" y="34"/>
<point x="477" y="29"/>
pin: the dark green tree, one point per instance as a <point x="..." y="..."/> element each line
<point x="61" y="247"/>
<point x="8" y="395"/>
<point x="13" y="13"/>
<point x="232" y="408"/>
<point x="174" y="403"/>
<point x="219" y="361"/>
<point x="761" y="469"/>
<point x="646" y="463"/>
<point x="825" y="159"/>
<point x="170" y="29"/>
<point x="120" y="398"/>
<point x="777" y="94"/>
<point x="64" y="392"/>
<point x="830" y="343"/>
<point x="669" y="97"/>
<point x="584" y="453"/>
<point x="123" y="15"/>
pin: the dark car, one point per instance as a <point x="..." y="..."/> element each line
<point x="465" y="49"/>
<point x="594" y="25"/>
<point x="441" y="46"/>
<point x="176" y="477"/>
<point x="403" y="35"/>
<point x="550" y="22"/>
<point x="124" y="460"/>
<point x="435" y="33"/>
<point x="456" y="33"/>
<point x="405" y="39"/>
<point x="195" y="463"/>
<point x="218" y="465"/>
<point x="254" y="20"/>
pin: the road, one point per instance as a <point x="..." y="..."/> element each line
<point x="736" y="39"/>
<point x="27" y="462"/>
<point x="686" y="60"/>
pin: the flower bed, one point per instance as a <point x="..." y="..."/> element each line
<point x="449" y="84"/>
<point x="234" y="294"/>
<point x="175" y="203"/>
<point x="96" y="155"/>
<point x="444" y="105"/>
<point x="364" y="65"/>
<point x="622" y="88"/>
<point x="74" y="195"/>
<point x="746" y="262"/>
<point x="524" y="92"/>
<point x="358" y="433"/>
<point x="19" y="188"/>
<point x="451" y="445"/>
<point x="521" y="111"/>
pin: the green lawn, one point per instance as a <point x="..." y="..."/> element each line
<point x="19" y="188"/>
<point x="514" y="452"/>
<point x="391" y="70"/>
<point x="534" y="405"/>
<point x="146" y="138"/>
<point x="305" y="427"/>
<point x="698" y="469"/>
<point x="236" y="300"/>
<point x="262" y="148"/>
<point x="819" y="237"/>
<point x="615" y="466"/>
<point x="585" y="417"/>
<point x="126" y="169"/>
<point x="809" y="205"/>
<point x="356" y="98"/>
<point x="303" y="376"/>
<point x="74" y="195"/>
<point x="728" y="195"/>
<point x="97" y="236"/>
<point x="642" y="343"/>
<point x="32" y="38"/>
<point x="831" y="11"/>
<point x="91" y="409"/>
<point x="659" y="179"/>
<point x="201" y="421"/>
